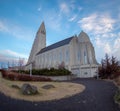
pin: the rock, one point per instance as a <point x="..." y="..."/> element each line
<point x="48" y="86"/>
<point x="28" y="89"/>
<point x="15" y="86"/>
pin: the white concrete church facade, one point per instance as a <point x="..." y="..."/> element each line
<point x="75" y="53"/>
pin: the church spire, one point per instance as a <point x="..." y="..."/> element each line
<point x="42" y="29"/>
<point x="39" y="42"/>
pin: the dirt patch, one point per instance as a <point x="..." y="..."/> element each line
<point x="60" y="90"/>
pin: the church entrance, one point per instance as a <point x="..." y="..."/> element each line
<point x="76" y="71"/>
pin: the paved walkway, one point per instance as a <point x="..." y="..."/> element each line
<point x="98" y="96"/>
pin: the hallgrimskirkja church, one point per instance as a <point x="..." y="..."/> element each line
<point x="75" y="53"/>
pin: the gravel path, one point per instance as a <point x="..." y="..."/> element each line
<point x="98" y="96"/>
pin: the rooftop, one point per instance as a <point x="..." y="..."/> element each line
<point x="56" y="45"/>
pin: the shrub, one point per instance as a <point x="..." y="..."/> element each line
<point x="49" y="72"/>
<point x="22" y="77"/>
<point x="15" y="75"/>
<point x="11" y="76"/>
<point x="117" y="96"/>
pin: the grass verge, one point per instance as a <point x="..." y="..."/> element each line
<point x="61" y="90"/>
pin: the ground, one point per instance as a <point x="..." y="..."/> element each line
<point x="97" y="96"/>
<point x="61" y="90"/>
<point x="117" y="81"/>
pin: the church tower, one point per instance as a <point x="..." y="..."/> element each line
<point x="38" y="44"/>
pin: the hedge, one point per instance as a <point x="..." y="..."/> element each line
<point x="47" y="72"/>
<point x="22" y="77"/>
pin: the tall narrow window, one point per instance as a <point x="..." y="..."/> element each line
<point x="50" y="58"/>
<point x="78" y="55"/>
<point x="54" y="57"/>
<point x="67" y="56"/>
<point x="42" y="60"/>
<point x="91" y="60"/>
<point x="60" y="56"/>
<point x="85" y="57"/>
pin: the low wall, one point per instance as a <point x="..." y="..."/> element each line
<point x="59" y="78"/>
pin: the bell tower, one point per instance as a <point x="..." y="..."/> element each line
<point x="38" y="44"/>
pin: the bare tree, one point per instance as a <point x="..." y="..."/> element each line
<point x="8" y="64"/>
<point x="21" y="62"/>
<point x="2" y="65"/>
<point x="62" y="65"/>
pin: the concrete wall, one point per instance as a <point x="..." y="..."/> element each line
<point x="53" y="58"/>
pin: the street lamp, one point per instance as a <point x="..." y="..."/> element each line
<point x="31" y="69"/>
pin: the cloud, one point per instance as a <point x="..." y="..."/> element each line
<point x="64" y="8"/>
<point x="11" y="56"/>
<point x="103" y="45"/>
<point x="110" y="47"/>
<point x="107" y="48"/>
<point x="15" y="30"/>
<point x="3" y="27"/>
<point x="52" y="22"/>
<point x="116" y="47"/>
<point x="117" y="43"/>
<point x="100" y="24"/>
<point x="4" y="58"/>
<point x="104" y="32"/>
<point x="99" y="42"/>
<point x="72" y="18"/>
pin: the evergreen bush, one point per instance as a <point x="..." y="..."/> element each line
<point x="49" y="72"/>
<point x="110" y="68"/>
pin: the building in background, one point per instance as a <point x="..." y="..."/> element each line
<point x="75" y="53"/>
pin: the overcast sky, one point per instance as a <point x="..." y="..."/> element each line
<point x="20" y="20"/>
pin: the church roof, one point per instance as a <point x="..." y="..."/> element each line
<point x="56" y="45"/>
